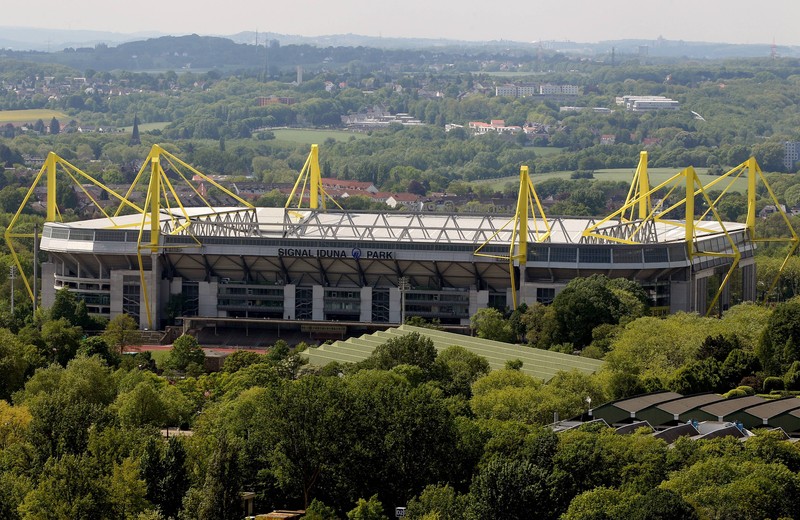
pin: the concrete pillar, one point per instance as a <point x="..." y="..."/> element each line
<point x="207" y="296"/>
<point x="117" y="281"/>
<point x="701" y="295"/>
<point x="749" y="290"/>
<point x="509" y="297"/>
<point x="366" y="305"/>
<point x="318" y="302"/>
<point x="154" y="294"/>
<point x="48" y="292"/>
<point x="394" y="305"/>
<point x="176" y="285"/>
<point x="724" y="302"/>
<point x="289" y="301"/>
<point x="477" y="300"/>
<point x="680" y="296"/>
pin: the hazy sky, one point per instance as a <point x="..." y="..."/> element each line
<point x="733" y="21"/>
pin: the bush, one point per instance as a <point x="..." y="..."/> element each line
<point x="773" y="383"/>
<point x="746" y="389"/>
<point x="736" y="392"/>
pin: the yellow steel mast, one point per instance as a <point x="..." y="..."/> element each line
<point x="528" y="206"/>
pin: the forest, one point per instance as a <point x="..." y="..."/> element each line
<point x="81" y="421"/>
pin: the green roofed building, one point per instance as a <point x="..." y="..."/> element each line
<point x="664" y="409"/>
<point x="542" y="364"/>
<point x="626" y="410"/>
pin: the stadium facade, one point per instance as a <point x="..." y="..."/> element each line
<point x="377" y="267"/>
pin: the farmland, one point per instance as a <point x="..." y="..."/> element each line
<point x="18" y="117"/>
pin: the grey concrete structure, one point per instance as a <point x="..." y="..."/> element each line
<point x="346" y="266"/>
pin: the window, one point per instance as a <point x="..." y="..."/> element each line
<point x="563" y="254"/>
<point x="545" y="295"/>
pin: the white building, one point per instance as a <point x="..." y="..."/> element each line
<point x="647" y="103"/>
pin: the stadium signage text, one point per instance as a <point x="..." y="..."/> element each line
<point x="334" y="253"/>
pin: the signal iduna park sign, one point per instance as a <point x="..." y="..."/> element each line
<point x="355" y="253"/>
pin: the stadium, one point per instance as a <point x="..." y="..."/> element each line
<point x="162" y="259"/>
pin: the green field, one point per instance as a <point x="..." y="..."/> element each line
<point x="29" y="116"/>
<point x="310" y="136"/>
<point x="657" y="176"/>
<point x="146" y="127"/>
<point x="546" y="151"/>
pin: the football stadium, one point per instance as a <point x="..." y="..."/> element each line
<point x="157" y="258"/>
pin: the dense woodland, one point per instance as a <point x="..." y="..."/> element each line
<point x="79" y="427"/>
<point x="80" y="420"/>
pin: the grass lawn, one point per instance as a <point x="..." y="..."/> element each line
<point x="311" y="136"/>
<point x="159" y="356"/>
<point x="657" y="176"/>
<point x="30" y="116"/>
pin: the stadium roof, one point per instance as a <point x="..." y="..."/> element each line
<point x="538" y="363"/>
<point x="452" y="228"/>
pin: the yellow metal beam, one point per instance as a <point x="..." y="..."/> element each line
<point x="316" y="180"/>
<point x="752" y="174"/>
<point x="528" y="207"/>
<point x="50" y="164"/>
<point x="154" y="194"/>
<point x="310" y="176"/>
<point x="689" y="232"/>
<point x="644" y="186"/>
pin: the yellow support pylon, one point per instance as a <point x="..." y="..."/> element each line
<point x="528" y="206"/>
<point x="310" y="177"/>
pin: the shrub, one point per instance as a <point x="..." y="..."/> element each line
<point x="736" y="392"/>
<point x="773" y="383"/>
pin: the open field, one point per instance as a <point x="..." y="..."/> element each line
<point x="546" y="151"/>
<point x="30" y="116"/>
<point x="657" y="176"/>
<point x="311" y="136"/>
<point x="146" y="127"/>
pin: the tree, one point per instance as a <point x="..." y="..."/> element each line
<point x="221" y="500"/>
<point x="510" y="489"/>
<point x="14" y="421"/>
<point x="462" y="368"/>
<point x="727" y="487"/>
<point x="661" y="504"/>
<point x="64" y="306"/>
<point x="61" y="340"/>
<point x="185" y="351"/>
<point x="97" y="346"/>
<point x="135" y="140"/>
<point x="409" y="349"/>
<point x="68" y="488"/>
<point x="122" y="331"/>
<point x="126" y="489"/>
<point x="371" y="509"/>
<point x="241" y="359"/>
<point x="780" y="344"/>
<point x="317" y="510"/>
<point x="586" y="303"/>
<point x="489" y="323"/>
<point x="440" y="500"/>
<point x="17" y="363"/>
<point x="506" y="395"/>
<point x="600" y="503"/>
<point x="55" y="126"/>
<point x="165" y="475"/>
